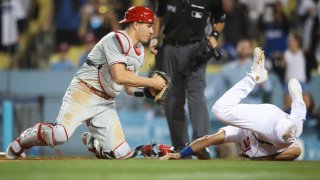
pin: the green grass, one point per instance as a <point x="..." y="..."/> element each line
<point x="91" y="169"/>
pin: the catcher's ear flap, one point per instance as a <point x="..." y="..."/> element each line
<point x="147" y="93"/>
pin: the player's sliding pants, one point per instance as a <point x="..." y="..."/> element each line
<point x="268" y="121"/>
<point x="80" y="105"/>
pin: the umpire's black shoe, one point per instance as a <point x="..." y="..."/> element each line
<point x="204" y="154"/>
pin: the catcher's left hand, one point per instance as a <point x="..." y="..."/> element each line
<point x="159" y="96"/>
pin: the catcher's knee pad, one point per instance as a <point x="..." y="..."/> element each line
<point x="43" y="134"/>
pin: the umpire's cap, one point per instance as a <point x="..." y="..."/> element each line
<point x="138" y="14"/>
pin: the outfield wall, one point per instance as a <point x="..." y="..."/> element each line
<point x="141" y="123"/>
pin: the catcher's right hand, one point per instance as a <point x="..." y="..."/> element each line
<point x="153" y="45"/>
<point x="159" y="96"/>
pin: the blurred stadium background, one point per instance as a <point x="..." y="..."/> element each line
<point x="36" y="36"/>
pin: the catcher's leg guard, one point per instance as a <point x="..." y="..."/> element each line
<point x="42" y="134"/>
<point x="122" y="151"/>
<point x="15" y="150"/>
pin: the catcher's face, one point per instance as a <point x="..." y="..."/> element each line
<point x="144" y="32"/>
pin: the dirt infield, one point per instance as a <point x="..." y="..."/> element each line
<point x="57" y="157"/>
<point x="3" y="159"/>
<point x="82" y="168"/>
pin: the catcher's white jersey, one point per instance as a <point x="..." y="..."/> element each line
<point x="80" y="105"/>
<point x="257" y="126"/>
<point x="115" y="47"/>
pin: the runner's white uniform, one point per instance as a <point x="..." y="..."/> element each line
<point x="258" y="129"/>
<point x="80" y="105"/>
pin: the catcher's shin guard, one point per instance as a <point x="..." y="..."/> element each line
<point x="42" y="134"/>
<point x="122" y="151"/>
<point x="15" y="150"/>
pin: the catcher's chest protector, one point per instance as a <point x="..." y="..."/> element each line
<point x="134" y="58"/>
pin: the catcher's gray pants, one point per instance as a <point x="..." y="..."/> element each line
<point x="80" y="105"/>
<point x="174" y="61"/>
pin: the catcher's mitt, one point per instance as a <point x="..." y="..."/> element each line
<point x="159" y="96"/>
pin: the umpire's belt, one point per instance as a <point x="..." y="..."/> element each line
<point x="178" y="43"/>
<point x="95" y="91"/>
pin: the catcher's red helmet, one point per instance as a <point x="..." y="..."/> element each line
<point x="138" y="14"/>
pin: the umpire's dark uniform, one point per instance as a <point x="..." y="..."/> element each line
<point x="184" y="23"/>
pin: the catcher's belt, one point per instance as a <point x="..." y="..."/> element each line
<point x="90" y="63"/>
<point x="95" y="91"/>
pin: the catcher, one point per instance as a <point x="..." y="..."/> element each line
<point x="111" y="66"/>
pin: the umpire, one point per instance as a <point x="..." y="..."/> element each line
<point x="184" y="24"/>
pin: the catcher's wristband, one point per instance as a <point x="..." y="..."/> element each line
<point x="215" y="34"/>
<point x="138" y="92"/>
<point x="147" y="93"/>
<point x="143" y="92"/>
<point x="186" y="152"/>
